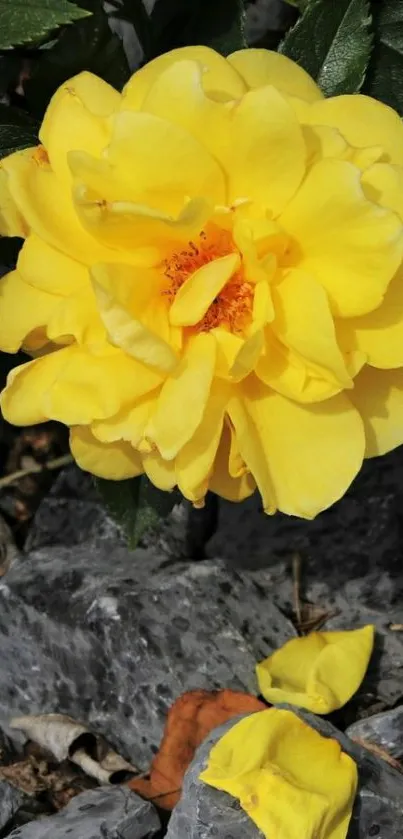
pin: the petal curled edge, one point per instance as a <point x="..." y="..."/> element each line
<point x="379" y="334"/>
<point x="350" y="245"/>
<point x="267" y="157"/>
<point x="219" y="78"/>
<point x="77" y="118"/>
<point x="183" y="398"/>
<point x="260" y="67"/>
<point x="194" y="463"/>
<point x="378" y="397"/>
<point x="222" y="482"/>
<point x="294" y="450"/>
<point x="113" y="461"/>
<point x="74" y="387"/>
<point x="362" y="121"/>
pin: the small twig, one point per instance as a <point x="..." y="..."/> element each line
<point x="379" y="752"/>
<point x="296" y="587"/>
<point x="56" y="463"/>
<point x="396" y="627"/>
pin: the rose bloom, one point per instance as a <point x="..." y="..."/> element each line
<point x="211" y="285"/>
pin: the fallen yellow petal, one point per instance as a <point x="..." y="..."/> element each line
<point x="320" y="672"/>
<point x="292" y="782"/>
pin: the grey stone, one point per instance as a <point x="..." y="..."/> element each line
<point x="103" y="813"/>
<point x="112" y="637"/>
<point x="72" y="513"/>
<point x="10" y="802"/>
<point x="384" y="730"/>
<point x="206" y="813"/>
<point x="351" y="565"/>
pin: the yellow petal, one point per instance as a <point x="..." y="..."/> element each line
<point x="379" y="334"/>
<point x="351" y="246"/>
<point x="195" y="461"/>
<point x="219" y="78"/>
<point x="114" y="461"/>
<point x="74" y="387"/>
<point x="77" y="118"/>
<point x="320" y="672"/>
<point x="48" y="269"/>
<point x="228" y="346"/>
<point x="144" y="233"/>
<point x="260" y="67"/>
<point x="267" y="157"/>
<point x="22" y="309"/>
<point x="252" y="450"/>
<point x="324" y="141"/>
<point x="48" y="209"/>
<point x="160" y="472"/>
<point x="128" y="424"/>
<point x="292" y="782"/>
<point x="304" y="323"/>
<point x="12" y="222"/>
<point x="378" y="396"/>
<point x="383" y="184"/>
<point x="197" y="293"/>
<point x="163" y="181"/>
<point x="248" y="356"/>
<point x="222" y="482"/>
<point x="178" y="95"/>
<point x="125" y="329"/>
<point x="362" y="121"/>
<point x="310" y="453"/>
<point x="182" y="402"/>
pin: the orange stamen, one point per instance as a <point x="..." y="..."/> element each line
<point x="232" y="308"/>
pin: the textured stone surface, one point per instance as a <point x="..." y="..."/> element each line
<point x="206" y="813"/>
<point x="351" y="564"/>
<point x="10" y="802"/>
<point x="104" y="813"/>
<point x="113" y="638"/>
<point x="72" y="513"/>
<point x="384" y="730"/>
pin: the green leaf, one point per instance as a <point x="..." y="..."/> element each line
<point x="332" y="41"/>
<point x="22" y="21"/>
<point x="88" y="45"/>
<point x="17" y="130"/>
<point x="385" y="73"/>
<point x="136" y="505"/>
<point x="215" y="23"/>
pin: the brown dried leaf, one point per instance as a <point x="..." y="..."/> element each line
<point x="189" y="722"/>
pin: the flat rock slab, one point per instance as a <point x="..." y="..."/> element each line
<point x="112" y="637"/>
<point x="207" y="813"/>
<point x="104" y="813"/>
<point x="384" y="730"/>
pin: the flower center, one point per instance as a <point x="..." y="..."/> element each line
<point x="232" y="306"/>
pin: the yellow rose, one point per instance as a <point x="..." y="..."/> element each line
<point x="211" y="281"/>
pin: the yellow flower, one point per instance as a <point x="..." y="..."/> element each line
<point x="292" y="782"/>
<point x="320" y="672"/>
<point x="211" y="284"/>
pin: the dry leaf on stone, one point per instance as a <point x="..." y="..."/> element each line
<point x="192" y="717"/>
<point x="65" y="738"/>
